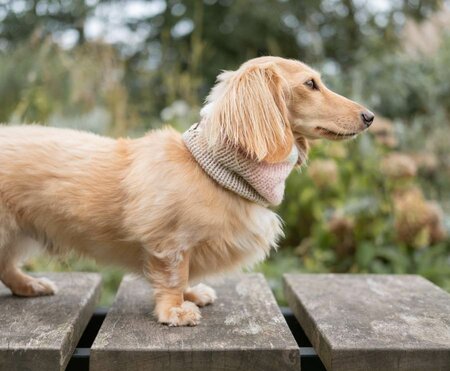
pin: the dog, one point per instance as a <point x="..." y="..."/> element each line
<point x="150" y="205"/>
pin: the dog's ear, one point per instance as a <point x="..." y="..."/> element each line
<point x="248" y="111"/>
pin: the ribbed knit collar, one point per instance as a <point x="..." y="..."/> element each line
<point x="256" y="181"/>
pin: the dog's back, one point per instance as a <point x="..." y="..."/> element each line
<point x="39" y="166"/>
<point x="18" y="144"/>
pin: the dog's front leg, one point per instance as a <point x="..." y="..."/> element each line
<point x="169" y="275"/>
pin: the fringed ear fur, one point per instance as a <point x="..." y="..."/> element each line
<point x="248" y="111"/>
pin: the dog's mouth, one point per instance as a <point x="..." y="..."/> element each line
<point x="334" y="135"/>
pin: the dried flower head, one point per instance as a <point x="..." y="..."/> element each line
<point x="384" y="132"/>
<point x="417" y="222"/>
<point x="342" y="229"/>
<point x="336" y="150"/>
<point x="426" y="161"/>
<point x="323" y="172"/>
<point x="398" y="165"/>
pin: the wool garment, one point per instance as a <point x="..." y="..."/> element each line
<point x="256" y="181"/>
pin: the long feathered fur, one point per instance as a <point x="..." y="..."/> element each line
<point x="248" y="111"/>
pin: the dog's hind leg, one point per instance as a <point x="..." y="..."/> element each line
<point x="14" y="247"/>
<point x="14" y="278"/>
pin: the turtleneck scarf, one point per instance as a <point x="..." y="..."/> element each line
<point x="256" y="181"/>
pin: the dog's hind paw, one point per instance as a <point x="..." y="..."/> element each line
<point x="200" y="294"/>
<point x="35" y="287"/>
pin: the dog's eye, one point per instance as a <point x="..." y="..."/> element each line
<point x="312" y="84"/>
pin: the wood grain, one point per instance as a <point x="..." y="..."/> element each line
<point x="373" y="322"/>
<point x="41" y="333"/>
<point x="243" y="330"/>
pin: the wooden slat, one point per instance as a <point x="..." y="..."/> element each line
<point x="373" y="322"/>
<point x="41" y="333"/>
<point x="243" y="330"/>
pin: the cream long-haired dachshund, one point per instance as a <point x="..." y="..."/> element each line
<point x="171" y="207"/>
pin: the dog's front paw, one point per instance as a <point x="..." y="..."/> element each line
<point x="187" y="314"/>
<point x="200" y="294"/>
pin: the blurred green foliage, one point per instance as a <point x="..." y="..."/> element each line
<point x="121" y="68"/>
<point x="341" y="215"/>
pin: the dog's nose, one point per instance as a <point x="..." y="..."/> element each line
<point x="367" y="118"/>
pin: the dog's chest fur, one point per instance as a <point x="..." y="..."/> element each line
<point x="243" y="240"/>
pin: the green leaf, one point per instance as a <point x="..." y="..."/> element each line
<point x="364" y="254"/>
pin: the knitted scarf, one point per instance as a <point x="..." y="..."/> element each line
<point x="257" y="181"/>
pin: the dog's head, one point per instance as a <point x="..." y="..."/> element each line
<point x="270" y="103"/>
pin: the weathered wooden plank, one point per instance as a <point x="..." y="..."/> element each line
<point x="373" y="322"/>
<point x="41" y="333"/>
<point x="243" y="330"/>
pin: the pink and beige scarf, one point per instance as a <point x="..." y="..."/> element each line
<point x="257" y="181"/>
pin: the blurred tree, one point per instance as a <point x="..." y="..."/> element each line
<point x="189" y="41"/>
<point x="22" y="18"/>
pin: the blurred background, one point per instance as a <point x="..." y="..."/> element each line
<point x="379" y="204"/>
